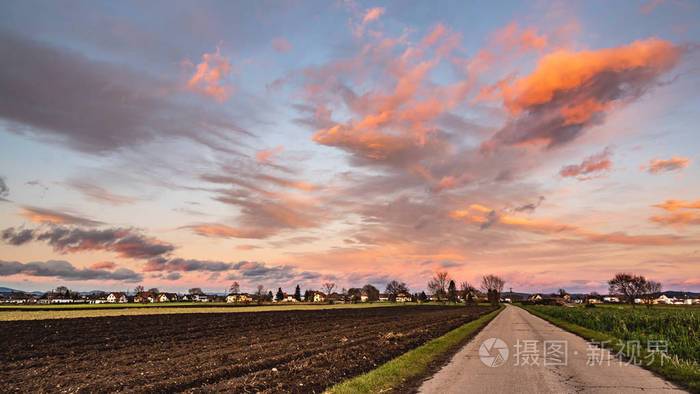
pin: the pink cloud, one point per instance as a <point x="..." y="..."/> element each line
<point x="660" y="166"/>
<point x="591" y="167"/>
<point x="281" y="45"/>
<point x="373" y="14"/>
<point x="210" y="77"/>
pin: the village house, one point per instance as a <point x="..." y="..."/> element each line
<point x="166" y="297"/>
<point x="611" y="299"/>
<point x="364" y="297"/>
<point x="403" y="297"/>
<point x="383" y="297"/>
<point x="535" y="297"/>
<point x="319" y="297"/>
<point x="240" y="298"/>
<point x="117" y="297"/>
<point x="144" y="297"/>
<point x="336" y="298"/>
<point x="200" y="298"/>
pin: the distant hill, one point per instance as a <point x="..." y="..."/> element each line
<point x="8" y="290"/>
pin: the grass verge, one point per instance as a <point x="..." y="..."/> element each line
<point x="681" y="373"/>
<point x="410" y="365"/>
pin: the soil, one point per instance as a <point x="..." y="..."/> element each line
<point x="247" y="352"/>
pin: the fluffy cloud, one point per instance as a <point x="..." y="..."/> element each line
<point x="593" y="166"/>
<point x="126" y="242"/>
<point x="210" y="77"/>
<point x="660" y="166"/>
<point x="64" y="270"/>
<point x="571" y="91"/>
<point x="43" y="85"/>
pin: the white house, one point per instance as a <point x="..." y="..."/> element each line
<point x="364" y="297"/>
<point x="319" y="297"/>
<point x="664" y="299"/>
<point x="200" y="298"/>
<point x="403" y="297"/>
<point x="118" y="297"/>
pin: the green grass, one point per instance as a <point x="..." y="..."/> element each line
<point x="613" y="327"/>
<point x="60" y="313"/>
<point x="414" y="363"/>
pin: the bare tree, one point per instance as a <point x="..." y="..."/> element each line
<point x="394" y="288"/>
<point x="328" y="287"/>
<point x="493" y="285"/>
<point x="260" y="294"/>
<point x="138" y="289"/>
<point x="468" y="292"/>
<point x="438" y="284"/>
<point x="650" y="291"/>
<point x="629" y="286"/>
<point x="154" y="290"/>
<point x="195" y="291"/>
<point x="235" y="288"/>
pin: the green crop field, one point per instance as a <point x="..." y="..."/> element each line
<point x="678" y="326"/>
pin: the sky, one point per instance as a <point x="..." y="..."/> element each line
<point x="189" y="144"/>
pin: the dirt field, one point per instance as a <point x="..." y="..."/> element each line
<point x="292" y="351"/>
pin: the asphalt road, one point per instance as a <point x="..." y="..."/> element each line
<point x="580" y="368"/>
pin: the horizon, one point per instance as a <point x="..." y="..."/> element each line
<point x="286" y="143"/>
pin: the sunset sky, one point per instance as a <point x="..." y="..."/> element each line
<point x="190" y="144"/>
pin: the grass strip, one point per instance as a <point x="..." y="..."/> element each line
<point x="395" y="373"/>
<point x="679" y="372"/>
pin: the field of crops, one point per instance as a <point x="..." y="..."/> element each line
<point x="680" y="327"/>
<point x="301" y="351"/>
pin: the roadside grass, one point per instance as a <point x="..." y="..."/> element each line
<point x="395" y="373"/>
<point x="682" y="372"/>
<point x="61" y="313"/>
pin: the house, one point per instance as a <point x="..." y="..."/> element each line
<point x="336" y="298"/>
<point x="319" y="297"/>
<point x="145" y="296"/>
<point x="117" y="297"/>
<point x="403" y="297"/>
<point x="383" y="297"/>
<point x="611" y="299"/>
<point x="200" y="298"/>
<point x="535" y="297"/>
<point x="364" y="297"/>
<point x="184" y="298"/>
<point x="166" y="297"/>
<point x="288" y="298"/>
<point x="664" y="299"/>
<point x="239" y="298"/>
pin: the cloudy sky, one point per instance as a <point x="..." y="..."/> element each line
<point x="182" y="144"/>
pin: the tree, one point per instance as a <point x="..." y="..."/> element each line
<point x="235" y="288"/>
<point x="394" y="288"/>
<point x="192" y="291"/>
<point x="493" y="285"/>
<point x="650" y="291"/>
<point x="154" y="290"/>
<point x="138" y="289"/>
<point x="438" y="284"/>
<point x="269" y="296"/>
<point x="561" y="293"/>
<point x="468" y="292"/>
<point x="354" y="293"/>
<point x="423" y="297"/>
<point x="328" y="287"/>
<point x="452" y="292"/>
<point x="260" y="294"/>
<point x="307" y="295"/>
<point x="297" y="293"/>
<point x="628" y="286"/>
<point x="372" y="292"/>
<point x="280" y="295"/>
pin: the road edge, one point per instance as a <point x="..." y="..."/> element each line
<point x="412" y="366"/>
<point x="667" y="372"/>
